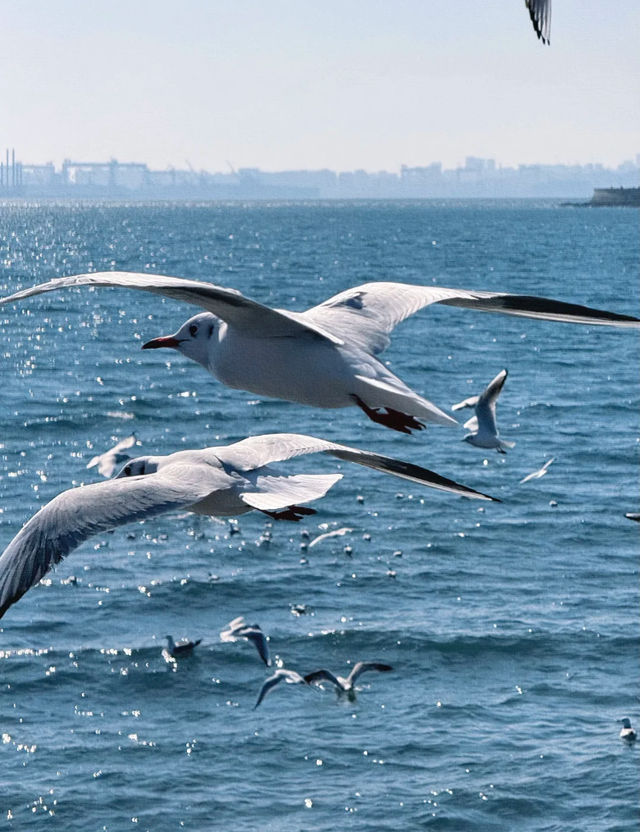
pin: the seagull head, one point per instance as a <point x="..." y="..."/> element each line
<point x="192" y="339"/>
<point x="139" y="466"/>
<point x="626" y="722"/>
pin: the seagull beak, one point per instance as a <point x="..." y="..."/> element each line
<point x="158" y="343"/>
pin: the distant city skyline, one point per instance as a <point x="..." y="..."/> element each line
<point x="342" y="84"/>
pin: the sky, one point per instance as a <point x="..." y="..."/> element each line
<point x="339" y="84"/>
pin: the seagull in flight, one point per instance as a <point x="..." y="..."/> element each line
<point x="291" y="677"/>
<point x="111" y="459"/>
<point x="347" y="685"/>
<point x="175" y="649"/>
<point x="483" y="424"/>
<point x="238" y="629"/>
<point x="535" y="475"/>
<point x="326" y="356"/>
<point x="220" y="481"/>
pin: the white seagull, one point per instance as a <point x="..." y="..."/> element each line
<point x="626" y="732"/>
<point x="326" y="356"/>
<point x="109" y="460"/>
<point x="483" y="424"/>
<point x="174" y="649"/>
<point x="291" y="677"/>
<point x="347" y="685"/>
<point x="326" y="535"/>
<point x="238" y="629"/>
<point x="535" y="475"/>
<point x="221" y="481"/>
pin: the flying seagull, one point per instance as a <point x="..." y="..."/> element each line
<point x="347" y="685"/>
<point x="540" y="14"/>
<point x="535" y="475"/>
<point x="174" y="649"/>
<point x="221" y="481"/>
<point x="483" y="424"/>
<point x="238" y="629"/>
<point x="326" y="356"/>
<point x="111" y="459"/>
<point x="291" y="677"/>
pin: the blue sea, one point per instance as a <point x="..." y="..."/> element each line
<point x="512" y="627"/>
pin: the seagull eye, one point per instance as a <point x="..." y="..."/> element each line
<point x="127" y="471"/>
<point x="193" y="329"/>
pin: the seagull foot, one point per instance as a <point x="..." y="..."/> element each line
<point x="394" y="419"/>
<point x="293" y="513"/>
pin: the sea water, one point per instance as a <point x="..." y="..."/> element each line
<point x="512" y="628"/>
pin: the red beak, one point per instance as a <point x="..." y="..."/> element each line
<point x="157" y="343"/>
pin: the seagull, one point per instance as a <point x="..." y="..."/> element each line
<point x="220" y="481"/>
<point x="540" y="14"/>
<point x="326" y="535"/>
<point x="291" y="677"/>
<point x="626" y="732"/>
<point x="178" y="648"/>
<point x="535" y="475"/>
<point x="346" y="685"/>
<point x="483" y="424"/>
<point x="237" y="629"/>
<point x="326" y="356"/>
<point x="111" y="459"/>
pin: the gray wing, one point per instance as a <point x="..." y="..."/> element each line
<point x="228" y="304"/>
<point x="77" y="514"/>
<point x="472" y="401"/>
<point x="486" y="406"/>
<point x="540" y="14"/>
<point x="257" y="451"/>
<point x="362" y="667"/>
<point x="281" y="675"/>
<point x="320" y="675"/>
<point x="365" y="315"/>
<point x="255" y="635"/>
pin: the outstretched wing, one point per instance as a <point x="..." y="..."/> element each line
<point x="258" y="451"/>
<point x="540" y="14"/>
<point x="365" y="315"/>
<point x="362" y="667"/>
<point x="322" y="675"/>
<point x="231" y="306"/>
<point x="486" y="406"/>
<point x="77" y="514"/>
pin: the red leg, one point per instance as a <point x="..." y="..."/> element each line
<point x="394" y="419"/>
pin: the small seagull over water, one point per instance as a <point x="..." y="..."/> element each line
<point x="114" y="457"/>
<point x="535" y="475"/>
<point x="326" y="356"/>
<point x="627" y="733"/>
<point x="220" y="481"/>
<point x="291" y="677"/>
<point x="347" y="685"/>
<point x="483" y="424"/>
<point x="238" y="629"/>
<point x="176" y="649"/>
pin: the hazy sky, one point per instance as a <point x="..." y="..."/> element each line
<point x="343" y="84"/>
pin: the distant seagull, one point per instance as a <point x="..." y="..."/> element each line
<point x="288" y="676"/>
<point x="326" y="356"/>
<point x="627" y="733"/>
<point x="109" y="460"/>
<point x="535" y="475"/>
<point x="485" y="429"/>
<point x="326" y="535"/>
<point x="176" y="649"/>
<point x="238" y="629"/>
<point x="540" y="14"/>
<point x="220" y="481"/>
<point x="346" y="685"/>
<point x="633" y="515"/>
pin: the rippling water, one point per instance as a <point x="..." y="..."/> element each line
<point x="512" y="628"/>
